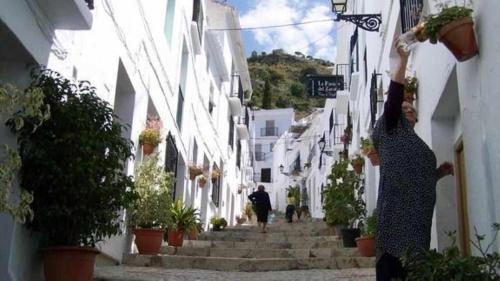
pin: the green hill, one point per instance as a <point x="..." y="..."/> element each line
<point x="286" y="75"/>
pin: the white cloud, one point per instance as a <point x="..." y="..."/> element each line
<point x="316" y="39"/>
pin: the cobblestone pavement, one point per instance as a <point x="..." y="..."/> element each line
<point x="119" y="273"/>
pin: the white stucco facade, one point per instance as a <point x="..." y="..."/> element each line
<point x="456" y="106"/>
<point x="144" y="58"/>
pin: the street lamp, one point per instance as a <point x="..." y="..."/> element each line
<point x="368" y="22"/>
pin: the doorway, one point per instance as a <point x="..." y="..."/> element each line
<point x="463" y="216"/>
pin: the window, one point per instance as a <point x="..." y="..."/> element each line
<point x="231" y="132"/>
<point x="410" y="13"/>
<point x="169" y="21"/>
<point x="238" y="154"/>
<point x="216" y="186"/>
<point x="182" y="85"/>
<point x="259" y="155"/>
<point x="265" y="175"/>
<point x="366" y="67"/>
<point x="271" y="146"/>
<point x="198" y="17"/>
<point x="171" y="157"/>
<point x="331" y="121"/>
<point x="211" y="103"/>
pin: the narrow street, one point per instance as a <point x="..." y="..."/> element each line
<point x="298" y="251"/>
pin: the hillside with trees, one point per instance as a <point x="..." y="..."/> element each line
<point x="279" y="80"/>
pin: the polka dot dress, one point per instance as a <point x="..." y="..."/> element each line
<point x="407" y="189"/>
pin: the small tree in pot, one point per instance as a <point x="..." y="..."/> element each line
<point x="182" y="219"/>
<point x="150" y="214"/>
<point x="343" y="201"/>
<point x="73" y="164"/>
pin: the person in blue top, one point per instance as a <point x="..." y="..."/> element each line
<point x="408" y="177"/>
<point x="263" y="206"/>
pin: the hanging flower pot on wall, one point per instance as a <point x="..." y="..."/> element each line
<point x="202" y="181"/>
<point x="194" y="171"/>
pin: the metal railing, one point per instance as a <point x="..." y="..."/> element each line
<point x="269" y="132"/>
<point x="410" y="13"/>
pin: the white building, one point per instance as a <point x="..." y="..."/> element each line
<point x="266" y="128"/>
<point x="145" y="58"/>
<point x="458" y="110"/>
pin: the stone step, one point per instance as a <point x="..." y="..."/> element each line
<point x="262" y="253"/>
<point x="269" y="237"/>
<point x="246" y="264"/>
<point x="296" y="244"/>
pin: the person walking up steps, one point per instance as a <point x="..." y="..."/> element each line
<point x="263" y="205"/>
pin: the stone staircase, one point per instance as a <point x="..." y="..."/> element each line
<point x="296" y="246"/>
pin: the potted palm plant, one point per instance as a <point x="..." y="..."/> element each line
<point x="182" y="219"/>
<point x="75" y="171"/>
<point x="150" y="213"/>
<point x="366" y="243"/>
<point x="357" y="164"/>
<point x="150" y="137"/>
<point x="368" y="149"/>
<point x="454" y="27"/>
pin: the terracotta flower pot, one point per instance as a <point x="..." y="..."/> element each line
<point x="366" y="246"/>
<point x="175" y="238"/>
<point x="69" y="263"/>
<point x="459" y="37"/>
<point x="201" y="184"/>
<point x="374" y="158"/>
<point x="148" y="240"/>
<point x="358" y="168"/>
<point x="147" y="148"/>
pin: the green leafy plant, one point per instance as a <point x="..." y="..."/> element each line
<point x="294" y="191"/>
<point x="434" y="23"/>
<point x="182" y="218"/>
<point x="411" y="84"/>
<point x="358" y="160"/>
<point x="371" y="224"/>
<point x="150" y="136"/>
<point x="19" y="106"/>
<point x="343" y="196"/>
<point x="367" y="146"/>
<point x="248" y="210"/>
<point x="452" y="265"/>
<point x="153" y="185"/>
<point x="218" y="223"/>
<point x="73" y="164"/>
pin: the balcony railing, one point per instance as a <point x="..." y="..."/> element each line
<point x="260" y="156"/>
<point x="269" y="132"/>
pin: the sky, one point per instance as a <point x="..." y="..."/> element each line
<point x="315" y="39"/>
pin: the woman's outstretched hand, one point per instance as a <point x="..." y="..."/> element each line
<point x="445" y="169"/>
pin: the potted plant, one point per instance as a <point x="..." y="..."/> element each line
<point x="215" y="174"/>
<point x="366" y="243"/>
<point x="218" y="223"/>
<point x="194" y="171"/>
<point x="411" y="88"/>
<point x="368" y="149"/>
<point x="149" y="215"/>
<point x="343" y="201"/>
<point x="181" y="219"/>
<point x="248" y="211"/>
<point x="241" y="219"/>
<point x="195" y="228"/>
<point x="357" y="164"/>
<point x="454" y="27"/>
<point x="150" y="137"/>
<point x="75" y="171"/>
<point x="202" y="180"/>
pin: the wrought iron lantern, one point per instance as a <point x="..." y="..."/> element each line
<point x="368" y="22"/>
<point x="281" y="168"/>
